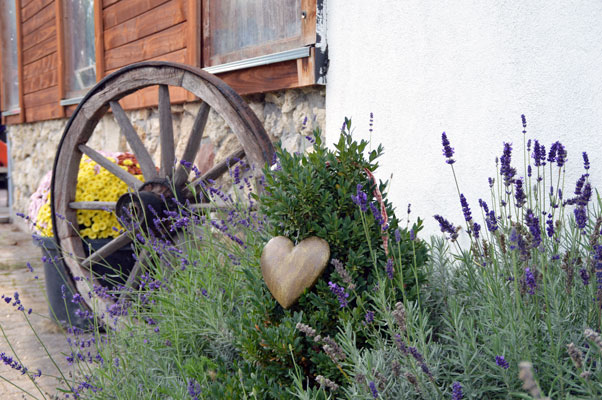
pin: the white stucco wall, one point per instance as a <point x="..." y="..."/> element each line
<point x="470" y="68"/>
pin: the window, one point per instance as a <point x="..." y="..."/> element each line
<point x="241" y="29"/>
<point x="79" y="53"/>
<point x="8" y="54"/>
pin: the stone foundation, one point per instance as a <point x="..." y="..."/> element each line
<point x="282" y="113"/>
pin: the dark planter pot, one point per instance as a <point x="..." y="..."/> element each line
<point x="61" y="308"/>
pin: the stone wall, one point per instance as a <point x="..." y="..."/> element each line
<point x="33" y="146"/>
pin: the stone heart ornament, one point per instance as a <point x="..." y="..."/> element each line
<point x="288" y="269"/>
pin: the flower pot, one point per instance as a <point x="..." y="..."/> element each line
<point x="60" y="306"/>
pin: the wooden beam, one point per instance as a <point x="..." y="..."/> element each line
<point x="194" y="37"/>
<point x="99" y="40"/>
<point x="308" y="24"/>
<point x="20" y="60"/>
<point x="60" y="52"/>
<point x="194" y="33"/>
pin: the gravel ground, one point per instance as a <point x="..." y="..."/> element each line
<point x="16" y="249"/>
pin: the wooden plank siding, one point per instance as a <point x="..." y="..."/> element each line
<point x="130" y="31"/>
<point x="40" y="61"/>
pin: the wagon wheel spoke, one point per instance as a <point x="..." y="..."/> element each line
<point x="142" y="155"/>
<point x="166" y="132"/>
<point x="93" y="205"/>
<point x="193" y="144"/>
<point x="107" y="250"/>
<point x="110" y="166"/>
<point x="134" y="274"/>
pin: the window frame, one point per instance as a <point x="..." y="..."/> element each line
<point x="66" y="98"/>
<point x="15" y="115"/>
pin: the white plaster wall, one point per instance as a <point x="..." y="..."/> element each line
<point x="470" y="68"/>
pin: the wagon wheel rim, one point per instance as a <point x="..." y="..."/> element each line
<point x="215" y="94"/>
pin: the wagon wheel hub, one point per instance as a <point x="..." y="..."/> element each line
<point x="144" y="208"/>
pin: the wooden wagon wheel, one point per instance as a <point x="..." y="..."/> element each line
<point x="254" y="142"/>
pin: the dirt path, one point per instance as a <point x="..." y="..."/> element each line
<point x="16" y="249"/>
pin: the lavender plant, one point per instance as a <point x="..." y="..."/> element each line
<point x="530" y="268"/>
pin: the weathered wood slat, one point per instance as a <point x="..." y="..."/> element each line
<point x="123" y="10"/>
<point x="44" y="112"/>
<point x="42" y="65"/>
<point x="264" y="78"/>
<point x="110" y="166"/>
<point x="148" y="23"/>
<point x="33" y="8"/>
<point x="106" y="3"/>
<point x="41" y="97"/>
<point x="93" y="205"/>
<point x="163" y="42"/>
<point x="193" y="144"/>
<point x="44" y="32"/>
<point x="40" y="50"/>
<point x="106" y="250"/>
<point x="43" y="16"/>
<point x="144" y="158"/>
<point x="43" y="80"/>
<point x="166" y="133"/>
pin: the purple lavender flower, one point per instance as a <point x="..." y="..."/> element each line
<point x="501" y="362"/>
<point x="584" y="276"/>
<point x="506" y="170"/>
<point x="491" y="182"/>
<point x="12" y="363"/>
<point x="535" y="154"/>
<point x="378" y="218"/>
<point x="580" y="216"/>
<point x="484" y="206"/>
<point x="194" y="389"/>
<point x="412" y="235"/>
<point x="519" y="193"/>
<point x="465" y="208"/>
<point x="448" y="151"/>
<point x="524" y="120"/>
<point x="360" y="198"/>
<point x="446" y="227"/>
<point x="491" y="221"/>
<point x="529" y="170"/>
<point x="457" y="391"/>
<point x="533" y="224"/>
<point x="339" y="292"/>
<point x="476" y="228"/>
<point x="389" y="268"/>
<point x="373" y="390"/>
<point x="530" y="280"/>
<point x="397" y="236"/>
<point x="513" y="238"/>
<point x="585" y="161"/>
<point x="369" y="317"/>
<point x="550" y="226"/>
<point x="371" y="122"/>
<point x="579" y="185"/>
<point x="561" y="154"/>
<point x="552" y="153"/>
<point x="586" y="195"/>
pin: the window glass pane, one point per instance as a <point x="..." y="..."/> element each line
<point x="239" y="29"/>
<point x="10" y="68"/>
<point x="80" y="56"/>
